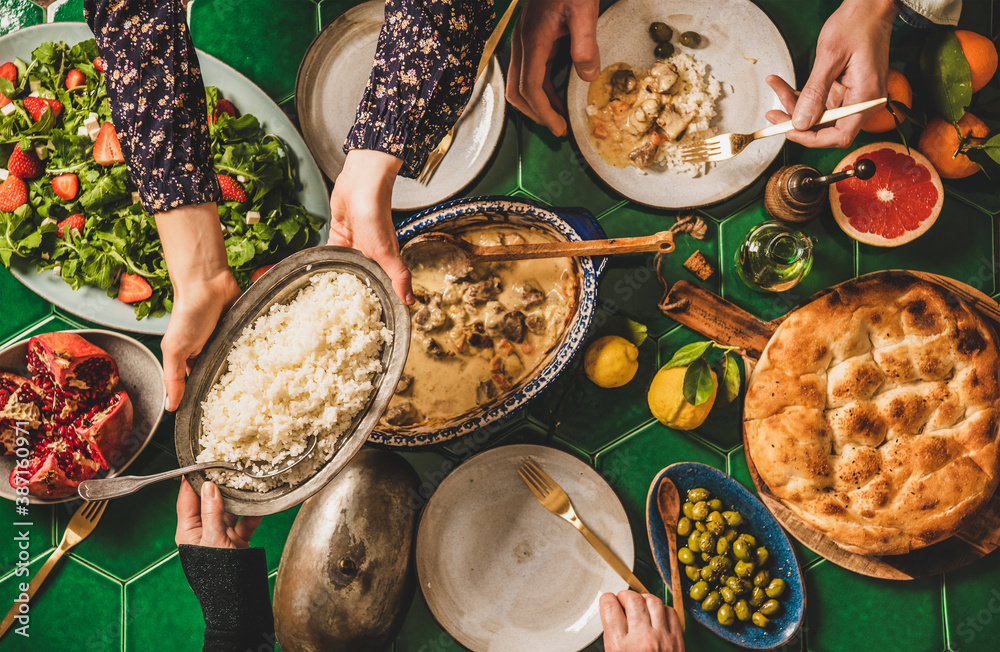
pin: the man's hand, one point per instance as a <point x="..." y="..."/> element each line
<point x="646" y="625"/>
<point x="852" y="62"/>
<point x="203" y="522"/>
<point x="533" y="46"/>
<point x="204" y="288"/>
<point x="361" y="204"/>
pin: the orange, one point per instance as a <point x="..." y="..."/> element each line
<point x="939" y="142"/>
<point x="899" y="91"/>
<point x="981" y="54"/>
<point x="896" y="205"/>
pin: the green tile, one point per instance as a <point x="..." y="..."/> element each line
<point x="30" y="307"/>
<point x="159" y="607"/>
<point x="66" y="10"/>
<point x="47" y="325"/>
<point x="164" y="435"/>
<point x="76" y="320"/>
<point x="833" y="262"/>
<point x="15" y="14"/>
<point x="25" y="537"/>
<point x="330" y="9"/>
<point x="499" y="177"/>
<point x="972" y="598"/>
<point x="271" y="535"/>
<point x="959" y="245"/>
<point x="242" y="33"/>
<point x="136" y="530"/>
<point x="421" y="633"/>
<point x="591" y="417"/>
<point x="848" y="611"/>
<point x="77" y="608"/>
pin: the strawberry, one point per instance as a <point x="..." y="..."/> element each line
<point x="9" y="71"/>
<point x="231" y="188"/>
<point x="75" y="78"/>
<point x="132" y="288"/>
<point x="107" y="149"/>
<point x="36" y="106"/>
<point x="13" y="194"/>
<point x="259" y="272"/>
<point x="99" y="64"/>
<point x="74" y="221"/>
<point x="223" y="106"/>
<point x="66" y="186"/>
<point x="24" y="165"/>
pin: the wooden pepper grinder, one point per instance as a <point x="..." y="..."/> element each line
<point x="797" y="193"/>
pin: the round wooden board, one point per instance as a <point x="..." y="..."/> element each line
<point x="977" y="539"/>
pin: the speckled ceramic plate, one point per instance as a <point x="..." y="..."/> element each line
<point x="564" y="224"/>
<point x="502" y="573"/>
<point x="741" y="46"/>
<point x="280" y="284"/>
<point x="761" y="524"/>
<point x="332" y="81"/>
<point x="93" y="303"/>
<point x="141" y="377"/>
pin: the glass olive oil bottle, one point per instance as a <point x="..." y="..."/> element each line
<point x="774" y="257"/>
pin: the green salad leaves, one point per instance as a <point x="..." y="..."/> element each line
<point x="119" y="236"/>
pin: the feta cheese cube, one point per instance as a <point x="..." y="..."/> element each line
<point x="3" y="174"/>
<point x="57" y="270"/>
<point x="135" y="198"/>
<point x="92" y="122"/>
<point x="48" y="220"/>
<point x="92" y="116"/>
<point x="34" y="94"/>
<point x="42" y="152"/>
<point x="241" y="178"/>
<point x="253" y="217"/>
<point x="93" y="133"/>
<point x="34" y="84"/>
<point x="76" y="232"/>
<point x="45" y="256"/>
<point x="50" y="146"/>
<point x="8" y="109"/>
<point x="82" y="131"/>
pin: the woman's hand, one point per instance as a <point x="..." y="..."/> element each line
<point x="203" y="522"/>
<point x="646" y="625"/>
<point x="361" y="204"/>
<point x="852" y="62"/>
<point x="204" y="288"/>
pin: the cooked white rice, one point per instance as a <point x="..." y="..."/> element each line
<point x="304" y="367"/>
<point x="698" y="97"/>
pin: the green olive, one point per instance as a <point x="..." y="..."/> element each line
<point x="661" y="33"/>
<point x="722" y="545"/>
<point x="687" y="508"/>
<point x="725" y="615"/>
<point x="762" y="578"/>
<point x="715" y="504"/>
<point x="744" y="568"/>
<point x="733" y="518"/>
<point x="705" y="557"/>
<point x="741" y="550"/>
<point x="762" y="555"/>
<point x="691" y="39"/>
<point x="739" y="586"/>
<point x="731" y="534"/>
<point x="694" y="539"/>
<point x="751" y="541"/>
<point x="775" y="588"/>
<point x="700" y="527"/>
<point x="684" y="526"/>
<point x="715" y="527"/>
<point x="711" y="601"/>
<point x="742" y="609"/>
<point x="700" y="511"/>
<point x="697" y="495"/>
<point x="758" y="597"/>
<point x="693" y="572"/>
<point x="759" y="619"/>
<point x="663" y="50"/>
<point x="721" y="563"/>
<point x="698" y="591"/>
<point x="710" y="574"/>
<point x="769" y="607"/>
<point x="707" y="542"/>
<point x="727" y="595"/>
<point x="716" y="517"/>
<point x="685" y="556"/>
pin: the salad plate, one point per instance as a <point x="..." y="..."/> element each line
<point x="92" y="303"/>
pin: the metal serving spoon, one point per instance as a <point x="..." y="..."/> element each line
<point x="124" y="485"/>
<point x="457" y="256"/>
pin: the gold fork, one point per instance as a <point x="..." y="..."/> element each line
<point x="554" y="498"/>
<point x="80" y="526"/>
<point x="435" y="157"/>
<point x="727" y="146"/>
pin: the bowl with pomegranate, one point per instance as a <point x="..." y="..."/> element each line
<point x="74" y="405"/>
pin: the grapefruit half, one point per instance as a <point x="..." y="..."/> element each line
<point x="895" y="206"/>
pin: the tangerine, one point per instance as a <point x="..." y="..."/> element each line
<point x="981" y="54"/>
<point x="898" y="91"/>
<point x="940" y="142"/>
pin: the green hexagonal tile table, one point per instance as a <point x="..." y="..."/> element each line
<point x="123" y="588"/>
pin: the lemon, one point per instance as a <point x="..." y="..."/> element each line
<point x="611" y="361"/>
<point x="666" y="400"/>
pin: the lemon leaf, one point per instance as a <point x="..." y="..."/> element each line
<point x="637" y="332"/>
<point x="688" y="354"/>
<point x="730" y="384"/>
<point x="698" y="383"/>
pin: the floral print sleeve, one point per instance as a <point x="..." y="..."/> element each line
<point x="157" y="99"/>
<point x="424" y="71"/>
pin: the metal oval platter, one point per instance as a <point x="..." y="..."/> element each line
<point x="93" y="303"/>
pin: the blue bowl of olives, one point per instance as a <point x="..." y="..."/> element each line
<point x="739" y="574"/>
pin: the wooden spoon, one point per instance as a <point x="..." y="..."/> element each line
<point x="448" y="252"/>
<point x="669" y="504"/>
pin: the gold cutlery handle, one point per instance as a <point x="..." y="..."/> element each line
<point x="611" y="558"/>
<point x="828" y="116"/>
<point x="36" y="582"/>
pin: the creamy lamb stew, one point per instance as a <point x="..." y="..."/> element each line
<point x="474" y="339"/>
